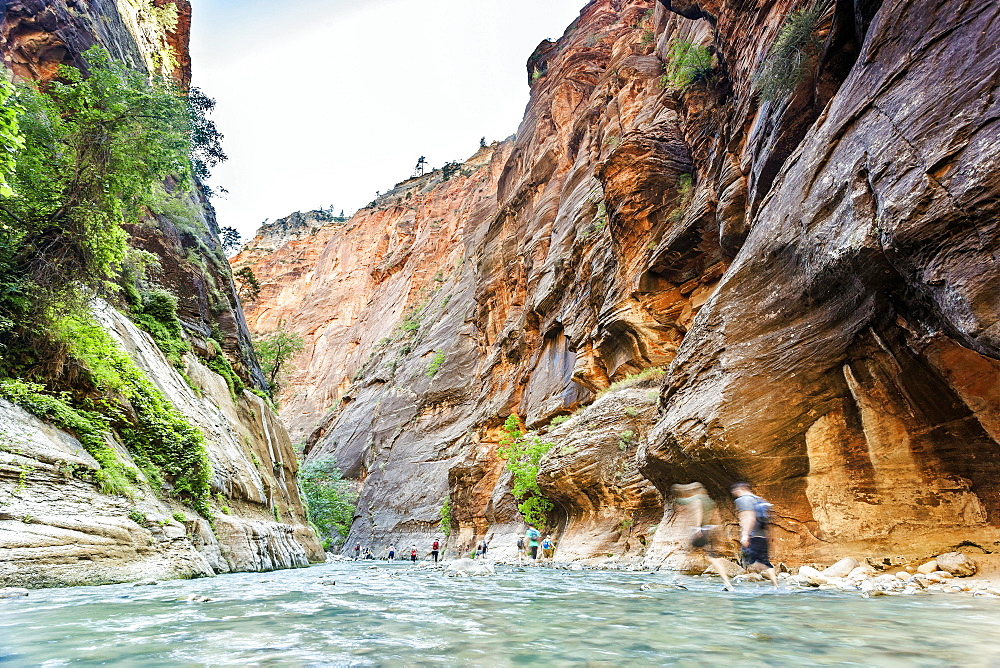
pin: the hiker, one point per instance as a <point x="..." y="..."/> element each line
<point x="520" y="549"/>
<point x="485" y="547"/>
<point x="531" y="537"/>
<point x="392" y="553"/>
<point x="434" y="549"/>
<point x="754" y="515"/>
<point x="413" y="553"/>
<point x="357" y="551"/>
<point x="548" y="548"/>
<point x="705" y="525"/>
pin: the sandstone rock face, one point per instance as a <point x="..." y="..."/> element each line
<point x="36" y="36"/>
<point x="818" y="273"/>
<point x="57" y="530"/>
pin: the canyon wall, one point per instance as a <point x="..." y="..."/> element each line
<point x="56" y="526"/>
<point x="815" y="273"/>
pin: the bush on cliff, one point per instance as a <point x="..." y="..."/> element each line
<point x="687" y="63"/>
<point x="154" y="431"/>
<point x="329" y="498"/>
<point x="524" y="456"/>
<point x="794" y="53"/>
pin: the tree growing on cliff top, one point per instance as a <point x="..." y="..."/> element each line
<point x="524" y="456"/>
<point x="274" y="350"/>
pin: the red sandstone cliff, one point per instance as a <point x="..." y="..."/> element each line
<point x="818" y="272"/>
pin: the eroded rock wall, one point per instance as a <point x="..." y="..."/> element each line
<point x="57" y="529"/>
<point x="817" y="274"/>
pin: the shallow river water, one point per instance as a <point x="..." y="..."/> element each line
<point x="403" y="615"/>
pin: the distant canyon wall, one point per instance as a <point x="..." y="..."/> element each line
<point x="816" y="273"/>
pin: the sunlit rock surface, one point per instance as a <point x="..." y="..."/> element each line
<point x="817" y="274"/>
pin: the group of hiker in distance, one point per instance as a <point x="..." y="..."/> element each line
<point x="752" y="511"/>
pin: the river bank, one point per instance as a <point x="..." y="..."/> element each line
<point x="374" y="614"/>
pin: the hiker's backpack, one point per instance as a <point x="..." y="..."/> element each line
<point x="435" y="545"/>
<point x="763" y="511"/>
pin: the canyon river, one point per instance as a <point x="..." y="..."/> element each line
<point x="401" y="614"/>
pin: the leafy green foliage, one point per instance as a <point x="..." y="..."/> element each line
<point x="156" y="313"/>
<point x="450" y="169"/>
<point x="90" y="428"/>
<point x="98" y="153"/>
<point x="646" y="378"/>
<point x="157" y="433"/>
<point x="558" y="420"/>
<point x="220" y="364"/>
<point x="231" y="239"/>
<point x="274" y="351"/>
<point x="794" y="53"/>
<point x="436" y="363"/>
<point x="687" y="63"/>
<point x="329" y="497"/>
<point x="524" y="456"/>
<point x="247" y="285"/>
<point x="11" y="140"/>
<point x="445" y="513"/>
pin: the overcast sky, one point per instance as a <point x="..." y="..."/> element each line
<point x="325" y="102"/>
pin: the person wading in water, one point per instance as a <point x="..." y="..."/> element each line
<point x="531" y="537"/>
<point x="434" y="549"/>
<point x="413" y="553"/>
<point x="755" y="519"/>
<point x="705" y="525"/>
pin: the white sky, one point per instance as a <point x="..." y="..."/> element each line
<point x="325" y="102"/>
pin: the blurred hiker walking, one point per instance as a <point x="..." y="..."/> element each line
<point x="392" y="553"/>
<point x="755" y="520"/>
<point x="548" y="548"/>
<point x="531" y="537"/>
<point x="705" y="525"/>
<point x="413" y="553"/>
<point x="435" y="546"/>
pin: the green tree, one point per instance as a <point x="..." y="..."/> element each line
<point x="99" y="152"/>
<point x="274" y="350"/>
<point x="231" y="239"/>
<point x="247" y="285"/>
<point x="524" y="456"/>
<point x="329" y="497"/>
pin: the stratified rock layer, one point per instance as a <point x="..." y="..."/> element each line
<point x="817" y="272"/>
<point x="57" y="529"/>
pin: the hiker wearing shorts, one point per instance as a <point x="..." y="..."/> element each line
<point x="705" y="528"/>
<point x="754" y="515"/>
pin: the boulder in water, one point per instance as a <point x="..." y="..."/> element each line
<point x="842" y="568"/>
<point x="811" y="576"/>
<point x="958" y="564"/>
<point x="928" y="567"/>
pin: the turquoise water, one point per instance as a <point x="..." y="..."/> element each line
<point x="402" y="615"/>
